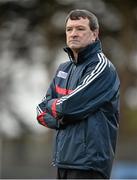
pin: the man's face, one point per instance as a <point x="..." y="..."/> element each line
<point x="79" y="34"/>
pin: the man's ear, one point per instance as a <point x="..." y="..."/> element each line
<point x="96" y="33"/>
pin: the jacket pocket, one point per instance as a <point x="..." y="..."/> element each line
<point x="71" y="144"/>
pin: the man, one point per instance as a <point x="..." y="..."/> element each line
<point x="82" y="104"/>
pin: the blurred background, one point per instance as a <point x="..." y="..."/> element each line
<point x="32" y="36"/>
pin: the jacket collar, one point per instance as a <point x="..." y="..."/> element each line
<point x="85" y="53"/>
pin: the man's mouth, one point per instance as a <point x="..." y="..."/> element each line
<point x="74" y="41"/>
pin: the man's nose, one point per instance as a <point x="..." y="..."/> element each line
<point x="74" y="33"/>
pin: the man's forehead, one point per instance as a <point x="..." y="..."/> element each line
<point x="80" y="21"/>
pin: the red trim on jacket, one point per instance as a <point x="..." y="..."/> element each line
<point x="63" y="91"/>
<point x="53" y="108"/>
<point x="41" y="120"/>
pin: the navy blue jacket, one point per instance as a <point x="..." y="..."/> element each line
<point x="82" y="104"/>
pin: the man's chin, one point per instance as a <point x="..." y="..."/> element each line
<point x="74" y="46"/>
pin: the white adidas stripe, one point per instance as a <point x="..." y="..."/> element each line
<point x="39" y="110"/>
<point x="94" y="74"/>
<point x="90" y="77"/>
<point x="87" y="77"/>
<point x="97" y="68"/>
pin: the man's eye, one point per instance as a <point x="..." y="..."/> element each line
<point x="81" y="29"/>
<point x="68" y="29"/>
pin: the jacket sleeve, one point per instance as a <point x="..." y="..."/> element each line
<point x="97" y="87"/>
<point x="43" y="116"/>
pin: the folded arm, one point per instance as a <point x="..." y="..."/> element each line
<point x="98" y="86"/>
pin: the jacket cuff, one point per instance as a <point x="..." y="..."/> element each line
<point x="41" y="120"/>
